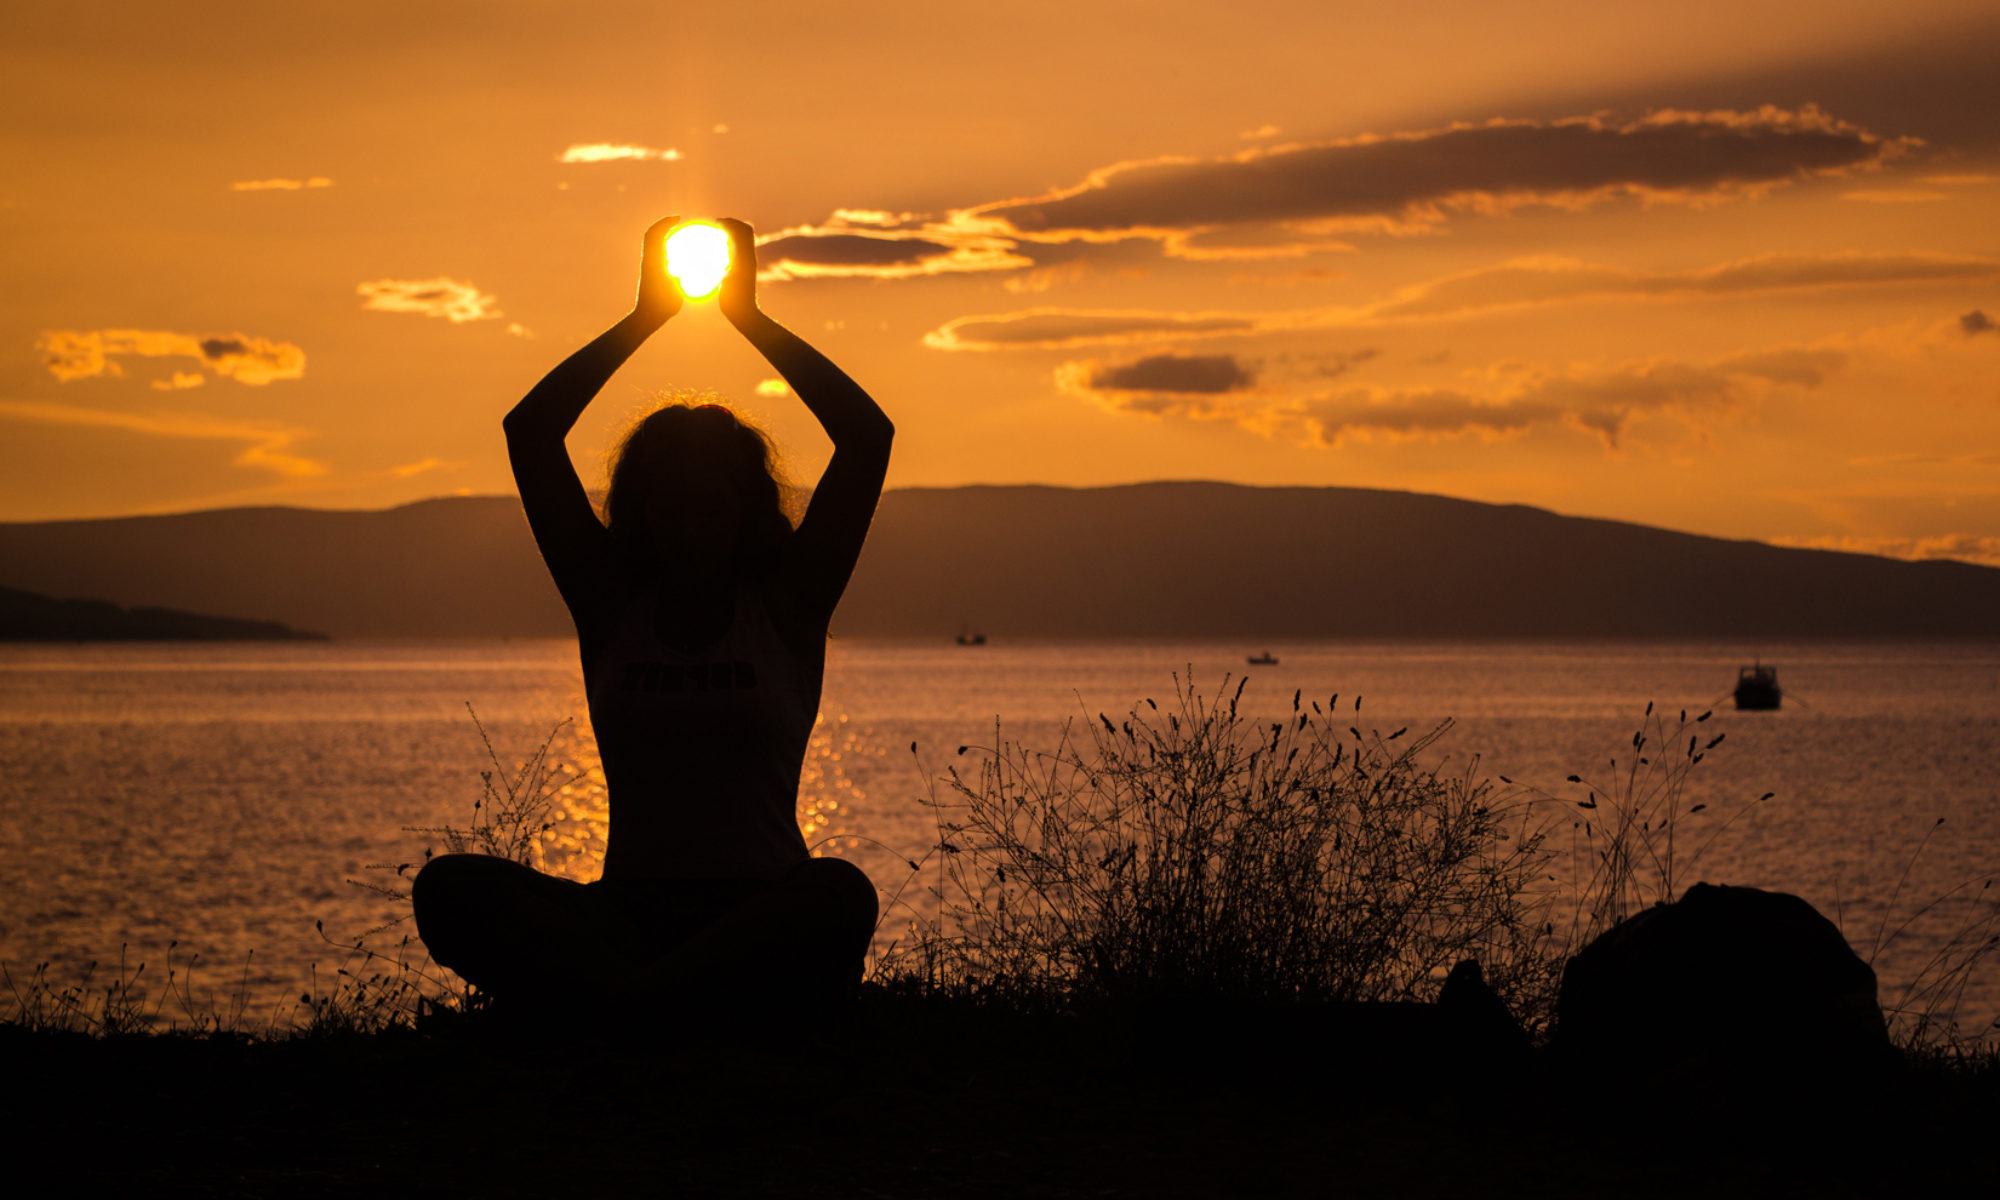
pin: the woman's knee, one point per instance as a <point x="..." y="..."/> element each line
<point x="456" y="893"/>
<point x="847" y="886"/>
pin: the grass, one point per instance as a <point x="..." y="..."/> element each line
<point x="1925" y="1015"/>
<point x="1189" y="853"/>
<point x="512" y="815"/>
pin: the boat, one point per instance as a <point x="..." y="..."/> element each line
<point x="1266" y="659"/>
<point x="970" y="639"/>
<point x="1757" y="687"/>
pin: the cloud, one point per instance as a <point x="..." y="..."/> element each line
<point x="1605" y="402"/>
<point x="865" y="243"/>
<point x="1979" y="549"/>
<point x="1293" y="199"/>
<point x="1410" y="181"/>
<point x="1056" y="328"/>
<point x="266" y="447"/>
<point x="280" y="185"/>
<point x="1517" y="283"/>
<point x="1333" y="364"/>
<point x="180" y="381"/>
<point x="448" y="298"/>
<point x="85" y="353"/>
<point x="409" y="470"/>
<point x="1960" y="180"/>
<point x="599" y="152"/>
<point x="1893" y="196"/>
<point x="1976" y="322"/>
<point x="1249" y="242"/>
<point x="1173" y="374"/>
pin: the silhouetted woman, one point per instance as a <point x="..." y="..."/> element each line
<point x="701" y="615"/>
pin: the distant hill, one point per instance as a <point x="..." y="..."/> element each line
<point x="1146" y="560"/>
<point x="27" y="617"/>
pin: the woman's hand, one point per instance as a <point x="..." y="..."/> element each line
<point x="738" y="299"/>
<point x="658" y="298"/>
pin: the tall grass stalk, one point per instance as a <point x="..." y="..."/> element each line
<point x="1629" y="845"/>
<point x="511" y="817"/>
<point x="1925" y="1013"/>
<point x="1193" y="853"/>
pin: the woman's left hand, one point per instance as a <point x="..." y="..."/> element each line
<point x="738" y="298"/>
<point x="658" y="298"/>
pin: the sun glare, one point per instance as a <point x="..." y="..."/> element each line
<point x="698" y="258"/>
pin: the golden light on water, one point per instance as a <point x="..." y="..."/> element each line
<point x="698" y="258"/>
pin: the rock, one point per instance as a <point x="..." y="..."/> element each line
<point x="1729" y="984"/>
<point x="1480" y="1019"/>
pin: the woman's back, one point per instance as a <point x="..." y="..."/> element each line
<point x="702" y="745"/>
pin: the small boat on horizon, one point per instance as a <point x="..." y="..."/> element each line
<point x="970" y="639"/>
<point x="1757" y="688"/>
<point x="1266" y="659"/>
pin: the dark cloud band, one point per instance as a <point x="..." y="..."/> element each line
<point x="1412" y="179"/>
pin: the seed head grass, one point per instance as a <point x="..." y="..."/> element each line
<point x="1189" y="852"/>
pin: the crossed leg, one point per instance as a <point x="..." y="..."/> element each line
<point x="798" y="942"/>
<point x="510" y="930"/>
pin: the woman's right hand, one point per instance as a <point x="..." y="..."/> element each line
<point x="738" y="295"/>
<point x="658" y="298"/>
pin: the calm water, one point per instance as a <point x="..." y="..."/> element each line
<point x="226" y="796"/>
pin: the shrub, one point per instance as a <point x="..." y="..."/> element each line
<point x="1192" y="854"/>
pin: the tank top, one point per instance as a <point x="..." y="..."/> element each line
<point x="701" y="750"/>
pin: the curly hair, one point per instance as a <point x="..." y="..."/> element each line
<point x="692" y="426"/>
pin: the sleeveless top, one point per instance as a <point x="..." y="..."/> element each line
<point x="702" y="750"/>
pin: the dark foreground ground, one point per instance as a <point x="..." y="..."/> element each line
<point x="905" y="1099"/>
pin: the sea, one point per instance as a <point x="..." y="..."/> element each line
<point x="241" y="815"/>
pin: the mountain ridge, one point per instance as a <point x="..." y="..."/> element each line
<point x="1161" y="559"/>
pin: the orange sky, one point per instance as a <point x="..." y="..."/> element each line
<point x="1725" y="267"/>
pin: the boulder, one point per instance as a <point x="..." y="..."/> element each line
<point x="1728" y="984"/>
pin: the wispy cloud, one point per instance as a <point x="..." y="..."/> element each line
<point x="1603" y="401"/>
<point x="1976" y="322"/>
<point x="280" y="185"/>
<point x="1979" y="549"/>
<point x="1169" y="376"/>
<point x="1298" y="198"/>
<point x="1537" y="281"/>
<point x="180" y="381"/>
<point x="870" y="244"/>
<point x="1517" y="283"/>
<point x="1902" y="195"/>
<point x="1060" y="328"/>
<point x="86" y="353"/>
<point x="265" y="447"/>
<point x="448" y="298"/>
<point x="602" y="152"/>
<point x="412" y="469"/>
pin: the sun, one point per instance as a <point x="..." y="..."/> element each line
<point x="698" y="258"/>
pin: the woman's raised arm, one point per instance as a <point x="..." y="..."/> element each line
<point x="572" y="540"/>
<point x="843" y="504"/>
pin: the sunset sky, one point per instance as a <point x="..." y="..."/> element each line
<point x="1731" y="268"/>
